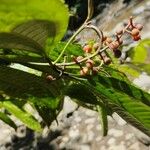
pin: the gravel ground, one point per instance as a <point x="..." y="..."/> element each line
<point x="80" y="129"/>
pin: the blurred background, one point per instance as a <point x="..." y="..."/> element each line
<point x="79" y="129"/>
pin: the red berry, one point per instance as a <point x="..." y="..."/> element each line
<point x="136" y="38"/>
<point x="87" y="48"/>
<point x="135" y="32"/>
<point x="84" y="71"/>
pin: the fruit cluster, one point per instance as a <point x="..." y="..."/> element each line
<point x="134" y="30"/>
<point x="88" y="67"/>
<point x="113" y="44"/>
<point x="96" y="54"/>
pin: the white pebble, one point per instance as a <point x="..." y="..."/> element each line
<point x="74" y="133"/>
<point x="89" y="127"/>
<point x="143" y="81"/>
<point x="117" y="147"/>
<point x="90" y="113"/>
<point x="139" y="10"/>
<point x="65" y="139"/>
<point x="135" y="146"/>
<point x="98" y="138"/>
<point x="77" y="119"/>
<point x="99" y="127"/>
<point x="90" y="120"/>
<point x="129" y="136"/>
<point x="115" y="133"/>
<point x="90" y="136"/>
<point x="69" y="105"/>
<point x="111" y="141"/>
<point x="84" y="147"/>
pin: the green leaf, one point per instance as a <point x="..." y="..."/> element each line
<point x="21" y="84"/>
<point x="124" y="86"/>
<point x="114" y="72"/>
<point x="48" y="109"/>
<point x="127" y="99"/>
<point x="71" y="50"/>
<point x="139" y="60"/>
<point x="80" y="92"/>
<point x="37" y="30"/>
<point x="21" y="59"/>
<point x="36" y="90"/>
<point x="18" y="42"/>
<point x="7" y="120"/>
<point x="129" y="118"/>
<point x="52" y="10"/>
<point x="140" y="53"/>
<point x="50" y="103"/>
<point x="143" y="67"/>
<point x="36" y="63"/>
<point x="103" y="119"/>
<point x="22" y="115"/>
<point x="130" y="70"/>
